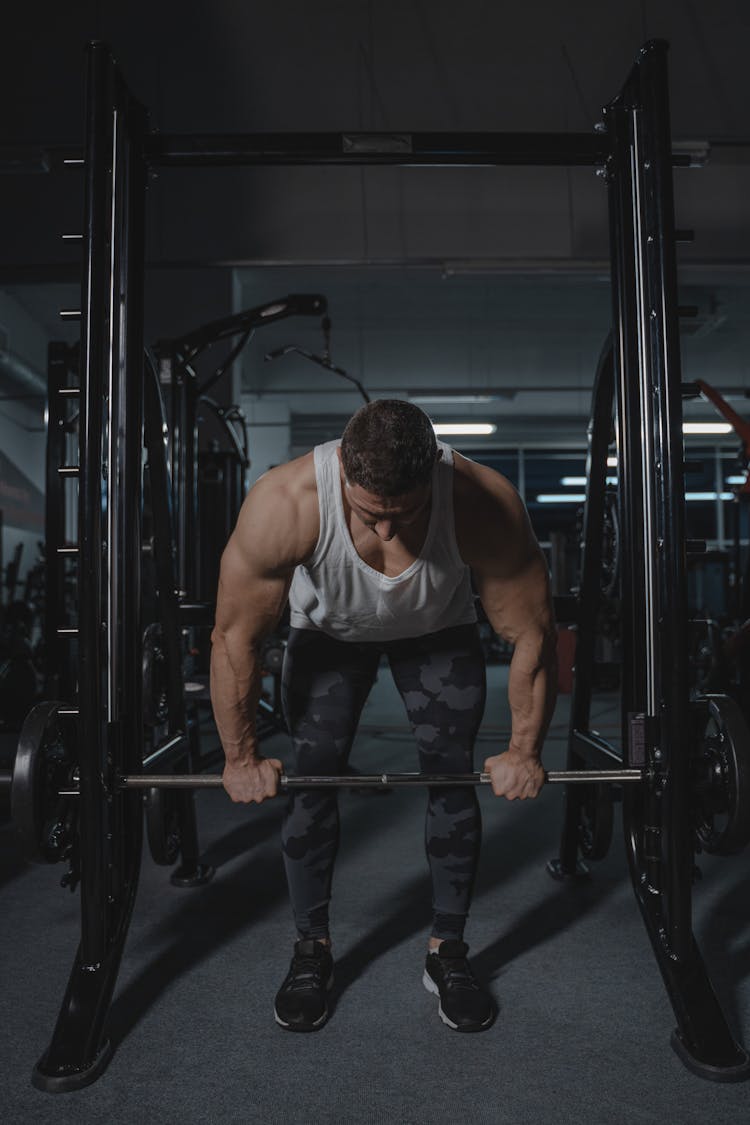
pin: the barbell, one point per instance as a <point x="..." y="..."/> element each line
<point x="375" y="780"/>
<point x="9" y="779"/>
<point x="43" y="784"/>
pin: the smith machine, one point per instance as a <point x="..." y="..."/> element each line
<point x="80" y="768"/>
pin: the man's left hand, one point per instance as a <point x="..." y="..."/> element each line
<point x="515" y="776"/>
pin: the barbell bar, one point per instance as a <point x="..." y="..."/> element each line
<point x="375" y="780"/>
<point x="363" y="781"/>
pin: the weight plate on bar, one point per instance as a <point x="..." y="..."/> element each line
<point x="44" y="821"/>
<point x="721" y="776"/>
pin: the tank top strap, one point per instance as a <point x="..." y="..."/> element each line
<point x="327" y="480"/>
<point x="443" y="487"/>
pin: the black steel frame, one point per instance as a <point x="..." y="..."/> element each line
<point x="108" y="713"/>
<point x="639" y="373"/>
<point x="657" y="725"/>
<point x="635" y="147"/>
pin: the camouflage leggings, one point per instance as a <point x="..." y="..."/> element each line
<point x="441" y="679"/>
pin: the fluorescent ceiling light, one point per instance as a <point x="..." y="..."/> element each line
<point x="706" y="428"/>
<point x="735" y="480"/>
<point x="709" y="496"/>
<point x="560" y="498"/>
<point x="478" y="429"/>
<point x="451" y="400"/>
<point x="611" y="462"/>
<point x="580" y="482"/>
<point x="579" y="498"/>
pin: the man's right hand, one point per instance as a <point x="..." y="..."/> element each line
<point x="252" y="781"/>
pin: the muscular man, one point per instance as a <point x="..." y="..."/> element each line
<point x="374" y="540"/>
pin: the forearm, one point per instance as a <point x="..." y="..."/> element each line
<point x="236" y="684"/>
<point x="532" y="691"/>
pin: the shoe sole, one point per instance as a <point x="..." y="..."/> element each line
<point x="316" y="1026"/>
<point x="430" y="985"/>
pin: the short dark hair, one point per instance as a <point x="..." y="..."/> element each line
<point x="389" y="447"/>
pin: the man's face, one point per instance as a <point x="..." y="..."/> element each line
<point x="387" y="515"/>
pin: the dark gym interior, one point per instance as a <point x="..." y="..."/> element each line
<point x="224" y="229"/>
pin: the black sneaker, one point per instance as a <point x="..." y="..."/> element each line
<point x="464" y="1003"/>
<point x="300" y="1003"/>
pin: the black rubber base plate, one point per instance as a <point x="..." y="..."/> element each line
<point x="194" y="877"/>
<point x="558" y="872"/>
<point x="63" y="1084"/>
<point x="734" y="1072"/>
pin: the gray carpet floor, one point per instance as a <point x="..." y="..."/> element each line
<point x="584" y="1024"/>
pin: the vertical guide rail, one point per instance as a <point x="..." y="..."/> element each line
<point x="109" y="704"/>
<point x="58" y="680"/>
<point x="668" y="687"/>
<point x="124" y="503"/>
<point x="655" y="693"/>
<point x="97" y="328"/>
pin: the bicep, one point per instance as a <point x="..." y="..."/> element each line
<point x="511" y="574"/>
<point x="508" y="566"/>
<point x="519" y="601"/>
<point x="251" y="594"/>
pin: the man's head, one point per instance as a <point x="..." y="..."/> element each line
<point x="389" y="448"/>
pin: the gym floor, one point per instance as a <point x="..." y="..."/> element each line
<point x="584" y="1024"/>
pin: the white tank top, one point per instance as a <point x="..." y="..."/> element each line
<point x="339" y="594"/>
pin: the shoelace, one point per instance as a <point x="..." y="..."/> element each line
<point x="306" y="972"/>
<point x="458" y="974"/>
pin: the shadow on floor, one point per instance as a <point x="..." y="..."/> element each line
<point x="543" y="921"/>
<point x="724" y="935"/>
<point x="210" y="918"/>
<point x="12" y="863"/>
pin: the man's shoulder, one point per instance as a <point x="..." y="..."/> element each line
<point x="489" y="512"/>
<point x="482" y="489"/>
<point x="280" y="513"/>
<point x="295" y="477"/>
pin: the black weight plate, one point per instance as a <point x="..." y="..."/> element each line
<point x="41" y="766"/>
<point x="723" y="824"/>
